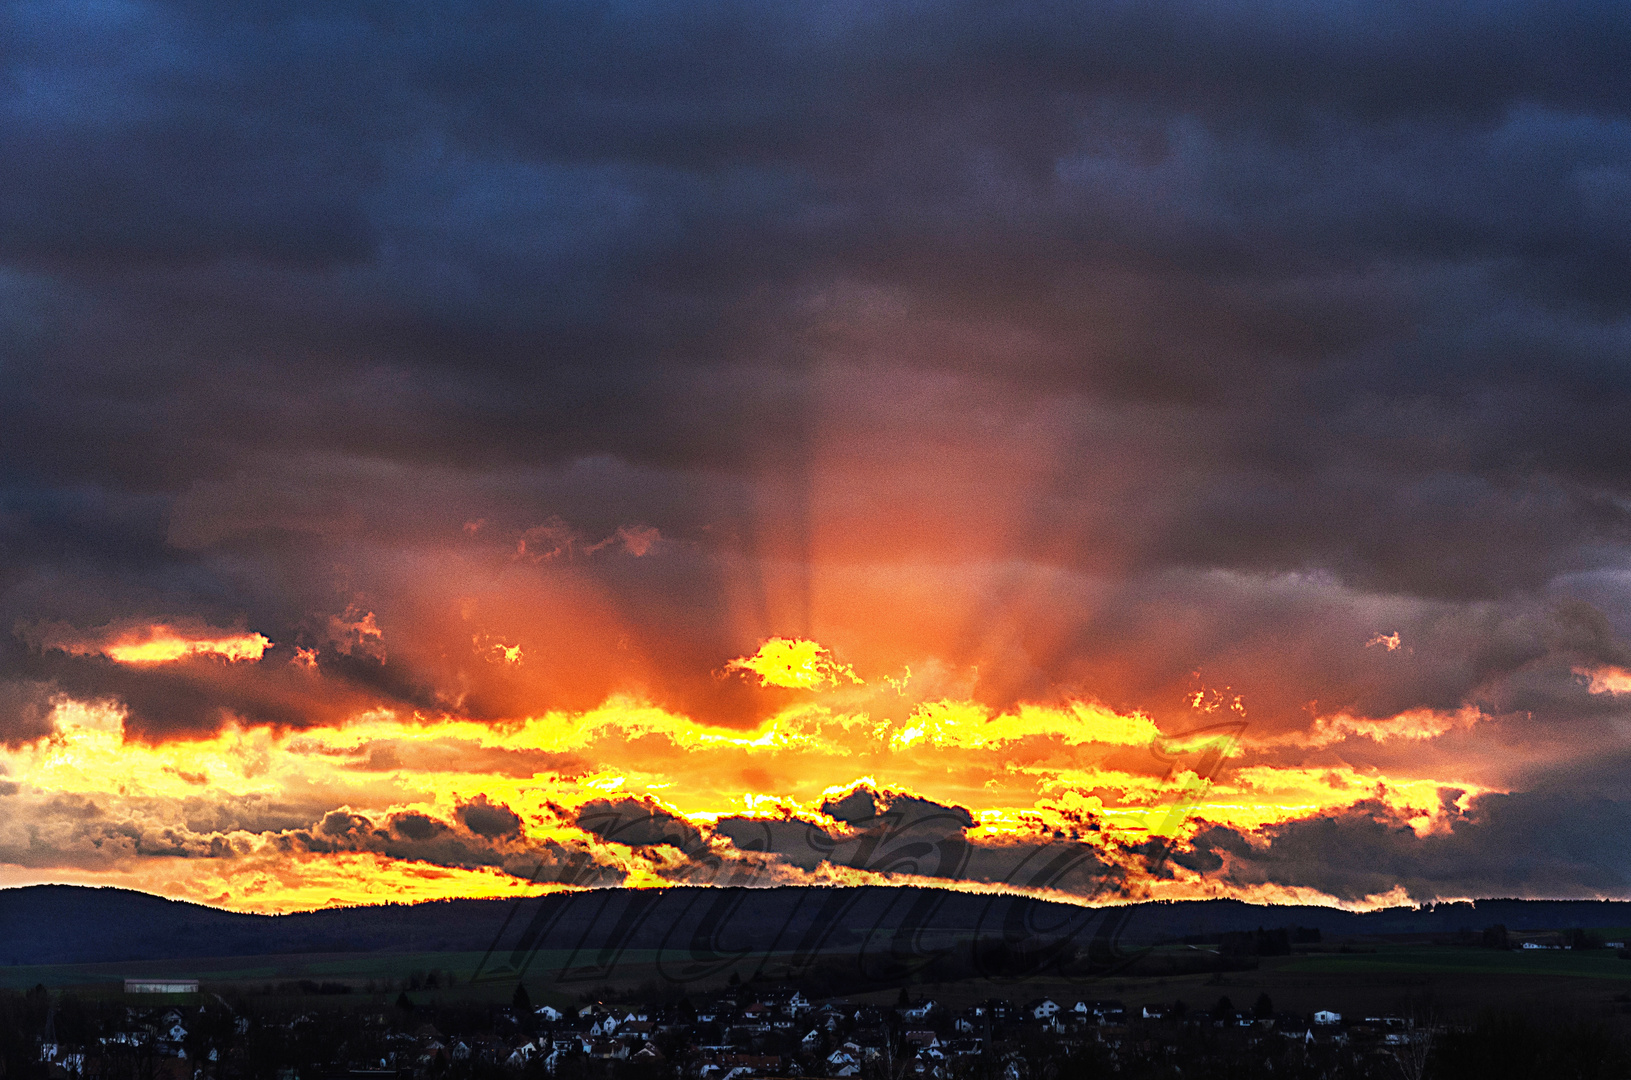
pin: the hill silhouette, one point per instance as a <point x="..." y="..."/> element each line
<point x="64" y="924"/>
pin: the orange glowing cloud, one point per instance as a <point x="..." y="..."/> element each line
<point x="158" y="643"/>
<point x="1417" y="725"/>
<point x="281" y="818"/>
<point x="1606" y="680"/>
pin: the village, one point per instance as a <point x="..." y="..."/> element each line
<point x="739" y="1035"/>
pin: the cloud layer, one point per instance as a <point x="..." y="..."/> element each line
<point x="1178" y="364"/>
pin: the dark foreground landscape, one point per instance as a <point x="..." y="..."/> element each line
<point x="880" y="983"/>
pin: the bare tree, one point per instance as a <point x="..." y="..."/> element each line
<point x="1410" y="1054"/>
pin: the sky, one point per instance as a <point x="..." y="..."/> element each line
<point x="1112" y="451"/>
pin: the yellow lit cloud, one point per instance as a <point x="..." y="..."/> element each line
<point x="164" y="648"/>
<point x="1029" y="774"/>
<point x="157" y="643"/>
<point x="970" y="725"/>
<point x="794" y="664"/>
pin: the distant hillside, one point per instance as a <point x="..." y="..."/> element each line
<point x="61" y="924"/>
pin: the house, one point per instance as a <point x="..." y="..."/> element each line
<point x="609" y="1048"/>
<point x="760" y="1063"/>
<point x="1325" y="1016"/>
<point x="161" y="986"/>
<point x="637" y="1030"/>
<point x="545" y="1012"/>
<point x="1042" y="1009"/>
<point x="996" y="1008"/>
<point x="1110" y="1012"/>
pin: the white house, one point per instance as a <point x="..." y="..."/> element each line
<point x="1326" y="1016"/>
<point x="161" y="986"/>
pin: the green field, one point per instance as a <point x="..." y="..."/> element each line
<point x="354" y="969"/>
<point x="1386" y="978"/>
<point x="1461" y="960"/>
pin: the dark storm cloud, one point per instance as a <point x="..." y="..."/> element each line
<point x="25" y="711"/>
<point x="198" y="695"/>
<point x="890" y="834"/>
<point x="489" y="819"/>
<point x="1538" y="845"/>
<point x="483" y="835"/>
<point x="286" y="292"/>
<point x="638" y="823"/>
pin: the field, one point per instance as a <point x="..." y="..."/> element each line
<point x="1453" y="981"/>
